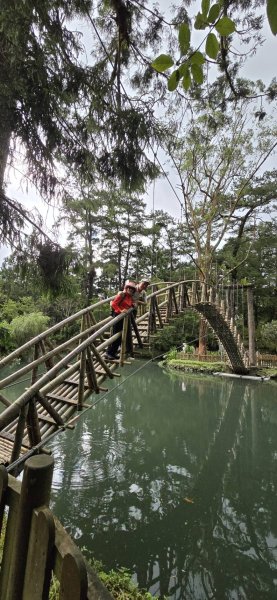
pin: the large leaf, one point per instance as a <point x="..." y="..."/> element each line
<point x="199" y="22"/>
<point x="173" y="80"/>
<point x="162" y="63"/>
<point x="197" y="73"/>
<point x="225" y="26"/>
<point x="184" y="38"/>
<point x="197" y="58"/>
<point x="272" y="15"/>
<point x="186" y="81"/>
<point x="212" y="45"/>
<point x="205" y="5"/>
<point x="214" y="13"/>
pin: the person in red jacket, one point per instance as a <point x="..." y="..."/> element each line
<point x="121" y="303"/>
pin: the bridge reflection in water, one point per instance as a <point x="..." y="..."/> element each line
<point x="176" y="480"/>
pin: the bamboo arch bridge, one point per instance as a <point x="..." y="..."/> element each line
<point x="72" y="356"/>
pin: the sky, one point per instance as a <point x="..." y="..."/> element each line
<point x="162" y="194"/>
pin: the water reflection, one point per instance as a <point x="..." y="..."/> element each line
<point x="176" y="480"/>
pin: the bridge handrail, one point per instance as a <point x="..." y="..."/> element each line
<point x="44" y="334"/>
<point x="47" y="381"/>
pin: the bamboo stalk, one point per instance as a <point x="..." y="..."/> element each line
<point x="55" y="352"/>
<point x="92" y="380"/>
<point x="19" y="434"/>
<point x="123" y="341"/>
<point x="50" y="409"/>
<point x="48" y="361"/>
<point x="32" y="422"/>
<point x="101" y="361"/>
<point x="158" y="313"/>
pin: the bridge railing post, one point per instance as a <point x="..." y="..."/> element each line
<point x="203" y="292"/>
<point x="193" y="292"/>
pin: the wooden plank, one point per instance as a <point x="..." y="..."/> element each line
<point x="72" y="382"/>
<point x="8" y="549"/>
<point x="46" y="419"/>
<point x="65" y="400"/>
<point x="9" y="436"/>
<point x="74" y="581"/>
<point x="38" y="567"/>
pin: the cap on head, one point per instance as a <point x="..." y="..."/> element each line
<point x="130" y="284"/>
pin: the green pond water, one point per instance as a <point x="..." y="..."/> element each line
<point x="175" y="478"/>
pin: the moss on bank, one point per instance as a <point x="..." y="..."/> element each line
<point x="194" y="366"/>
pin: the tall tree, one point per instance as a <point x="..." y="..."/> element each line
<point x="216" y="163"/>
<point x="61" y="109"/>
<point x="123" y="226"/>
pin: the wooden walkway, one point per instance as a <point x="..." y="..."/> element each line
<point x="69" y="364"/>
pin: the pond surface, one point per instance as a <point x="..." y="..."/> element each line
<point x="175" y="478"/>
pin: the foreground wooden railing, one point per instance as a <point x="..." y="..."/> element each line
<point x="36" y="546"/>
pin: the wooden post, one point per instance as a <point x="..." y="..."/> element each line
<point x="3" y="487"/>
<point x="203" y="292"/>
<point x="193" y="292"/>
<point x="251" y="327"/>
<point x="19" y="434"/>
<point x="35" y="492"/>
<point x="123" y="340"/>
<point x="31" y="416"/>
<point x="40" y="556"/>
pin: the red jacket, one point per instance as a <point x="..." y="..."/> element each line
<point x="122" y="301"/>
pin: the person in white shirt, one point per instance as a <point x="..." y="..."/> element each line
<point x="139" y="297"/>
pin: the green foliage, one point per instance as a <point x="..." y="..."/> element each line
<point x="25" y="327"/>
<point x="12" y="308"/>
<point x="54" y="592"/>
<point x="191" y="67"/>
<point x="120" y="584"/>
<point x="269" y="336"/>
<point x="162" y="63"/>
<point x="172" y="353"/>
<point x="212" y="46"/>
<point x="225" y="26"/>
<point x="196" y="365"/>
<point x="169" y="337"/>
<point x="272" y="15"/>
<point x="6" y="344"/>
<point x="184" y="39"/>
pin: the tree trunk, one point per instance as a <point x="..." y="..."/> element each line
<point x="203" y="328"/>
<point x="5" y="135"/>
<point x="251" y="327"/>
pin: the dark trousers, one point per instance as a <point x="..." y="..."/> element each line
<point x="117" y="327"/>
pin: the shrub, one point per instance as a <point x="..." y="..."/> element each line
<point x="25" y="327"/>
<point x="269" y="336"/>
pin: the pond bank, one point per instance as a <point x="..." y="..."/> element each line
<point x="209" y="368"/>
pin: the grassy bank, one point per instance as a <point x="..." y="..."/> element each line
<point x="195" y="366"/>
